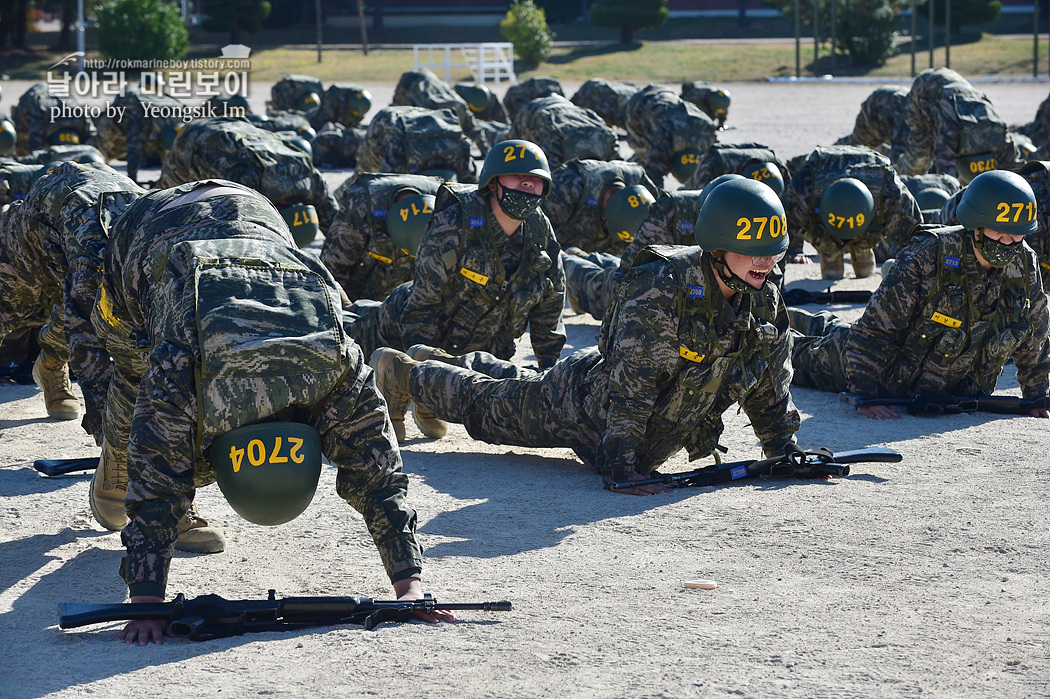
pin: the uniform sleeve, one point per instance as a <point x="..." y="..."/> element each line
<point x="903" y="216"/>
<point x="436" y="260"/>
<point x="344" y="246"/>
<point x="565" y="195"/>
<point x="325" y="203"/>
<point x="1032" y="357"/>
<point x="655" y="229"/>
<point x="546" y="329"/>
<point x="798" y="210"/>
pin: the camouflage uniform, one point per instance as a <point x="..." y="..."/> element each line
<point x="33" y="122"/>
<point x="730" y="158"/>
<point x="421" y="88"/>
<point x="189" y="281"/>
<point x="672" y="356"/>
<point x="286" y="92"/>
<point x="574" y="206"/>
<point x="144" y="146"/>
<point x="1039" y="129"/>
<point x="334" y="107"/>
<point x="54" y="154"/>
<point x="234" y="149"/>
<point x="899" y="347"/>
<point x="520" y="94"/>
<point x="606" y="98"/>
<point x="591" y="282"/>
<point x="564" y="131"/>
<point x="284" y="121"/>
<point x="660" y="124"/>
<point x="411" y="140"/>
<point x="475" y="287"/>
<point x="948" y="118"/>
<point x="358" y="249"/>
<point x="493" y="111"/>
<point x="881" y="123"/>
<point x="335" y="146"/>
<point x="51" y="248"/>
<point x="896" y="212"/>
<point x="15" y="180"/>
<point x="699" y="92"/>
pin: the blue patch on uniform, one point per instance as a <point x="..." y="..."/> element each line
<point x="696" y="292"/>
<point x="952" y="262"/>
<point x="738" y="472"/>
<point x="379" y="213"/>
<point x="477" y="222"/>
<point x="685" y="226"/>
<point x="592" y="202"/>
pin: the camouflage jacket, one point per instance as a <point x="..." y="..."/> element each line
<point x="34" y="124"/>
<point x="699" y="92"/>
<point x="234" y="149"/>
<point x="411" y="140"/>
<point x="493" y="111"/>
<point x="337" y="147"/>
<point x="732" y="158"/>
<point x="286" y="92"/>
<point x="660" y="124"/>
<point x="896" y="212"/>
<point x="421" y="88"/>
<point x="521" y="93"/>
<point x="939" y="322"/>
<point x="563" y="130"/>
<point x="608" y="99"/>
<point x="669" y="221"/>
<point x="148" y="115"/>
<point x="881" y="123"/>
<point x="285" y="121"/>
<point x="335" y="108"/>
<point x="1039" y="128"/>
<point x="358" y="249"/>
<point x="574" y="206"/>
<point x="676" y="355"/>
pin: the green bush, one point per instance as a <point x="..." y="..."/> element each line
<point x="964" y="12"/>
<point x="628" y="15"/>
<point x="525" y="26"/>
<point x="141" y="30"/>
<point x="866" y="31"/>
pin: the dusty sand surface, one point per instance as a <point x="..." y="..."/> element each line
<point x="923" y="578"/>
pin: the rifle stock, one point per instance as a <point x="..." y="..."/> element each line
<point x="944" y="404"/>
<point x="800" y="297"/>
<point x="59" y="467"/>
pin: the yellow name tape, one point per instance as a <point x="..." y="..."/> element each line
<point x="105" y="306"/>
<point x="946" y="320"/>
<point x="690" y="355"/>
<point x="384" y="260"/>
<point x="474" y="276"/>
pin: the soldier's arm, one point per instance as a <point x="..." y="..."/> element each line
<point x="325" y="203"/>
<point x="565" y="195"/>
<point x="344" y="246"/>
<point x="1032" y="357"/>
<point x="655" y="230"/>
<point x="797" y="207"/>
<point x="436" y="260"/>
<point x="546" y="329"/>
<point x="902" y="216"/>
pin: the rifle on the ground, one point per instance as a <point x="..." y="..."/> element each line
<point x="945" y="404"/>
<point x="211" y="616"/>
<point x="799" y="297"/>
<point x="59" y="467"/>
<point x="19" y="372"/>
<point x="794" y="463"/>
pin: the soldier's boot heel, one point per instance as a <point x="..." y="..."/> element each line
<point x="52" y="377"/>
<point x="109" y="488"/>
<point x="197" y="536"/>
<point x="392" y="370"/>
<point x="863" y="260"/>
<point x="832" y="266"/>
<point x="422" y="353"/>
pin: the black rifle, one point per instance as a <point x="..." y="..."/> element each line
<point x="20" y="373"/>
<point x="794" y="463"/>
<point x="59" y="467"/>
<point x="945" y="404"/>
<point x="211" y="616"/>
<point x="799" y="297"/>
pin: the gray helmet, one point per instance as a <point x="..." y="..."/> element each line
<point x="846" y="209"/>
<point x="710" y="186"/>
<point x="970" y="166"/>
<point x="300" y="143"/>
<point x="515" y="157"/>
<point x="719" y="101"/>
<point x="932" y="198"/>
<point x="766" y="172"/>
<point x="684" y="163"/>
<point x="1001" y="201"/>
<point x="268" y="472"/>
<point x="407" y="220"/>
<point x="625" y="211"/>
<point x="302" y="222"/>
<point x="744" y="217"/>
<point x="8" y="137"/>
<point x="359" y="102"/>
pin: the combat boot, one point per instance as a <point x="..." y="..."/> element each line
<point x="109" y="488"/>
<point x="428" y="423"/>
<point x="53" y="379"/>
<point x="392" y="368"/>
<point x="197" y="536"/>
<point x="832" y="266"/>
<point x="863" y="260"/>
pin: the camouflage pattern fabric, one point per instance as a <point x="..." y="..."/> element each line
<point x="493" y="111"/>
<point x="284" y="121"/>
<point x="146" y="122"/>
<point x="732" y="158"/>
<point x="33" y="122"/>
<point x="358" y="249"/>
<point x="699" y="92"/>
<point x="335" y="107"/>
<point x="937" y="323"/>
<point x="948" y="118"/>
<point x="671" y="358"/>
<point x="564" y="131"/>
<point x="335" y="146"/>
<point x="286" y="92"/>
<point x="232" y="148"/>
<point x="896" y="212"/>
<point x="184" y="279"/>
<point x="606" y="98"/>
<point x="51" y="248"/>
<point x="576" y="201"/>
<point x="917" y="183"/>
<point x="660" y="124"/>
<point x="1038" y="130"/>
<point x="411" y="140"/>
<point x="15" y="180"/>
<point x="53" y="154"/>
<point x="881" y="123"/>
<point x="521" y="93"/>
<point x="475" y="288"/>
<point x="421" y="88"/>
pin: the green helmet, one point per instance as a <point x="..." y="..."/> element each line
<point x="846" y="209"/>
<point x="308" y="102"/>
<point x="46" y="169"/>
<point x="684" y="163"/>
<point x="8" y="137"/>
<point x="359" y="102"/>
<point x="268" y="472"/>
<point x="515" y="157"/>
<point x="168" y="136"/>
<point x="306" y="132"/>
<point x="442" y="174"/>
<point x="238" y="102"/>
<point x="64" y="137"/>
<point x="625" y="211"/>
<point x="719" y="101"/>
<point x="477" y="96"/>
<point x="970" y="166"/>
<point x="1001" y="201"/>
<point x="767" y="173"/>
<point x="89" y="157"/>
<point x="300" y="143"/>
<point x="710" y="187"/>
<point x="742" y="216"/>
<point x="932" y="198"/>
<point x="302" y="222"/>
<point x="407" y="220"/>
<point x="256" y="118"/>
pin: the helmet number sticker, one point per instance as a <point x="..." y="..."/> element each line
<point x="67" y="137"/>
<point x="301" y="218"/>
<point x="690" y="158"/>
<point x="761" y="173"/>
<point x="777" y="225"/>
<point x="257" y="454"/>
<point x="841" y="221"/>
<point x="508" y="152"/>
<point x="977" y="166"/>
<point x="1004" y="212"/>
<point x="416" y="211"/>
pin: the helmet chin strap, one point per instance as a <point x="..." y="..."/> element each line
<point x="726" y="275"/>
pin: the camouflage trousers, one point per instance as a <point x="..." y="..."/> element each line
<point x="533" y="410"/>
<point x="27" y="306"/>
<point x="590" y="281"/>
<point x="819" y="351"/>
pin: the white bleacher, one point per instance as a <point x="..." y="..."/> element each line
<point x="489" y="62"/>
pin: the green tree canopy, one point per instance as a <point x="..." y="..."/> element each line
<point x="235" y="16"/>
<point x="628" y="15"/>
<point x="141" y="30"/>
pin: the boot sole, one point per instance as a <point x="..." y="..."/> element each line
<point x="427" y="432"/>
<point x="202" y="546"/>
<point x="97" y="515"/>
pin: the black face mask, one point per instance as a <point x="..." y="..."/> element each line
<point x="997" y="253"/>
<point x="518" y="205"/>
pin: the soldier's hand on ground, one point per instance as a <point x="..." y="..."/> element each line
<point x="879" y="412"/>
<point x="798" y="260"/>
<point x="651" y="489"/>
<point x="410" y="589"/>
<point x="1039" y="412"/>
<point x="144" y="631"/>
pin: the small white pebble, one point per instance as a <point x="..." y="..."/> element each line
<point x="701" y="584"/>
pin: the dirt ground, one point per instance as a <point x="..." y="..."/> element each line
<point x="923" y="578"/>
